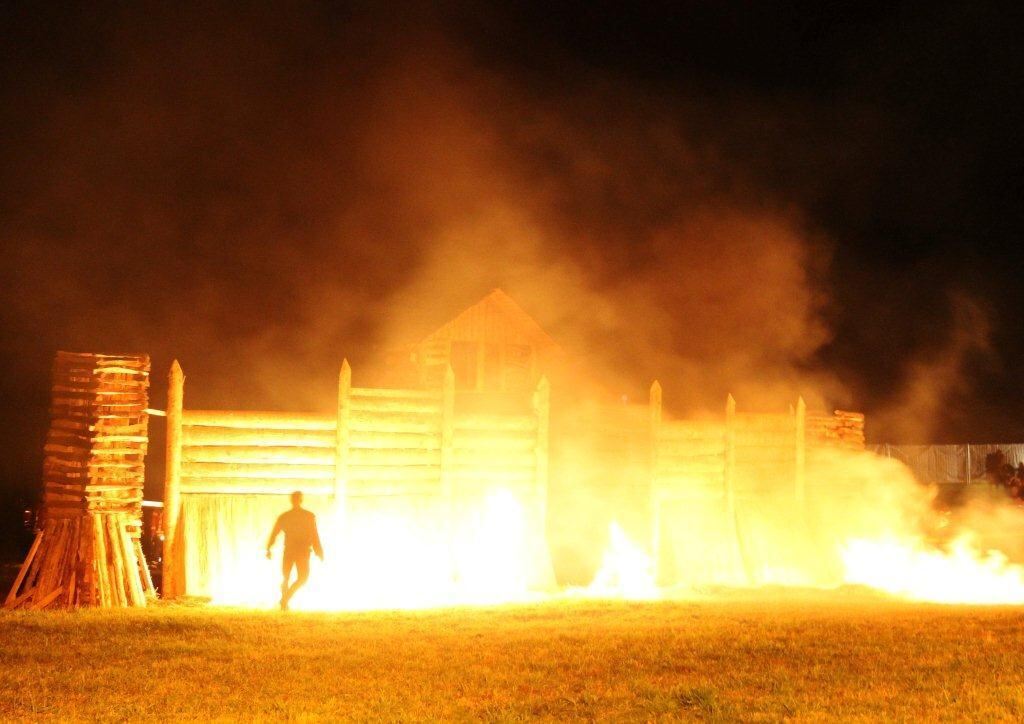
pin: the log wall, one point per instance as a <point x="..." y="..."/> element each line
<point x="410" y="446"/>
<point x="730" y="496"/>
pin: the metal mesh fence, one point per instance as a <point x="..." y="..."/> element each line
<point x="949" y="464"/>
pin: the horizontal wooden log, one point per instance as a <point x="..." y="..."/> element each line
<point x="222" y="436"/>
<point x="393" y="456"/>
<point x="257" y="470"/>
<point x="751" y="441"/>
<point x="81" y="490"/>
<point x="689" y="469"/>
<point x="376" y="405"/>
<point x="494" y="444"/>
<point x="267" y="454"/>
<point x="411" y="489"/>
<point x="387" y="392"/>
<point x="98" y="397"/>
<point x="703" y="450"/>
<point x="108" y="503"/>
<point x="765" y="420"/>
<point x="484" y="458"/>
<point x="362" y="421"/>
<point x="262" y="486"/>
<point x="392" y="472"/>
<point x="698" y="498"/>
<point x="97" y="463"/>
<point x="482" y="423"/>
<point x="674" y="430"/>
<point x="257" y="420"/>
<point x="464" y="474"/>
<point x="376" y="440"/>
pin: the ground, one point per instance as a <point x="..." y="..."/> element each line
<point x="733" y="656"/>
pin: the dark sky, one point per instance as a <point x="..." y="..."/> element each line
<point x="718" y="194"/>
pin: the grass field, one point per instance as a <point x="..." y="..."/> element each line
<point x="787" y="656"/>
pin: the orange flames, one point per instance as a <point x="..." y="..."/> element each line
<point x="912" y="570"/>
<point x="381" y="560"/>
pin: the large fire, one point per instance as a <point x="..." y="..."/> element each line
<point x="378" y="561"/>
<point x="915" y="571"/>
<point x="441" y="509"/>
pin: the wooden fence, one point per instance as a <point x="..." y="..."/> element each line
<point x="382" y="444"/>
<point x="720" y="486"/>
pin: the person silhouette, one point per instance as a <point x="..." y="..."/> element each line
<point x="300" y="536"/>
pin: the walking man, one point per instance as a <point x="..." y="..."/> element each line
<point x="300" y="536"/>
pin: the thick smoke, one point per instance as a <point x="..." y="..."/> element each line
<point x="261" y="214"/>
<point x="263" y="196"/>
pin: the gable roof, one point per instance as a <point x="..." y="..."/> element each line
<point x="510" y="309"/>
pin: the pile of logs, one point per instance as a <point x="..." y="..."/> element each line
<point x="843" y="429"/>
<point x="87" y="552"/>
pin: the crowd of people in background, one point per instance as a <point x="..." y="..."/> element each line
<point x="1004" y="476"/>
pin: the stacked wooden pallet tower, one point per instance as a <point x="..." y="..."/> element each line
<point x="88" y="552"/>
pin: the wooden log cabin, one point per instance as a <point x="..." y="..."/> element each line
<point x="492" y="347"/>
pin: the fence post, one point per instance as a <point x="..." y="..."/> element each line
<point x="172" y="586"/>
<point x="969" y="479"/>
<point x="341" y="454"/>
<point x="447" y="456"/>
<point x="730" y="487"/>
<point x="730" y="455"/>
<point x="542" y="409"/>
<point x="654" y="432"/>
<point x="801" y="451"/>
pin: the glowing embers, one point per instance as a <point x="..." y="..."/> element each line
<point x="626" y="572"/>
<point x="386" y="557"/>
<point x="961" y="574"/>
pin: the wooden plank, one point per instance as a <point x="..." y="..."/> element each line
<point x="446" y="455"/>
<point x="117" y="572"/>
<point x="475" y="457"/>
<point x="226" y="436"/>
<point x="469" y="475"/>
<point x="404" y="394"/>
<point x="394" y="457"/>
<point x="363" y="421"/>
<point x="342" y="450"/>
<point x="377" y="440"/>
<point x="100" y="562"/>
<point x="378" y="405"/>
<point x="172" y="478"/>
<point x="654" y="445"/>
<point x="392" y="472"/>
<point x="257" y="470"/>
<point x="12" y="595"/>
<point x="258" y="420"/>
<point x="136" y="594"/>
<point x="256" y="486"/>
<point x="477" y="422"/>
<point x="495" y="444"/>
<point x="293" y="455"/>
<point x="147" y="580"/>
<point x="406" y="489"/>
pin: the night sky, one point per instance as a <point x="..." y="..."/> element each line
<point x="764" y="198"/>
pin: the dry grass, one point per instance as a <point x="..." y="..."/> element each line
<point x="803" y="656"/>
